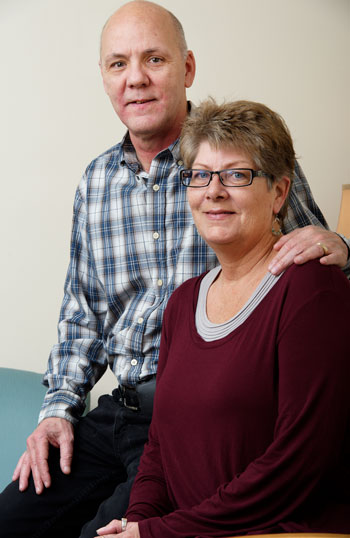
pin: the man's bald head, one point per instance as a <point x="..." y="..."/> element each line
<point x="146" y="70"/>
<point x="143" y="7"/>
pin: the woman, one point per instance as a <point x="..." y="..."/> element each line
<point x="250" y="431"/>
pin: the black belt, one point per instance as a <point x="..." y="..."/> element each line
<point x="140" y="397"/>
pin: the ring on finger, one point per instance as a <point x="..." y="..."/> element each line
<point x="324" y="248"/>
<point x="124" y="523"/>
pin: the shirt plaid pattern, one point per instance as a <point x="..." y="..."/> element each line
<point x="133" y="242"/>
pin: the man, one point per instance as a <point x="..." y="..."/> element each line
<point x="133" y="242"/>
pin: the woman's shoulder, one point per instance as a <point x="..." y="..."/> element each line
<point x="186" y="289"/>
<point x="181" y="302"/>
<point x="313" y="276"/>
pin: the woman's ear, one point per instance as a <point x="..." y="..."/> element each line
<point x="281" y="191"/>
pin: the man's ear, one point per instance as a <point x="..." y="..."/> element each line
<point x="190" y="67"/>
<point x="103" y="79"/>
<point x="281" y="190"/>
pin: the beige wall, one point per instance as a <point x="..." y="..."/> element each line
<point x="292" y="55"/>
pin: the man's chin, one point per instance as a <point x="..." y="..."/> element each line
<point x="145" y="128"/>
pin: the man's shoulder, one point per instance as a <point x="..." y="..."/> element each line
<point x="113" y="153"/>
<point x="104" y="165"/>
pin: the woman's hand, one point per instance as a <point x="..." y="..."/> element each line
<point x="114" y="528"/>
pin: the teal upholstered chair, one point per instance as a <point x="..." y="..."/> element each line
<point x="21" y="396"/>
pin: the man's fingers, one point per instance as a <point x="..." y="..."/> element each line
<point x="284" y="258"/>
<point x="38" y="483"/>
<point x="66" y="456"/>
<point x="282" y="241"/>
<point x="290" y="253"/>
<point x="311" y="253"/>
<point x="63" y="438"/>
<point x="22" y="472"/>
<point x="24" y="476"/>
<point x="38" y="451"/>
<point x="17" y="470"/>
<point x="331" y="259"/>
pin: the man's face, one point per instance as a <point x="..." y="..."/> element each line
<point x="144" y="72"/>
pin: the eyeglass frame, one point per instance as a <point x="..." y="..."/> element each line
<point x="253" y="174"/>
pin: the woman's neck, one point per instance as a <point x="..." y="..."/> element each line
<point x="236" y="282"/>
<point x="238" y="263"/>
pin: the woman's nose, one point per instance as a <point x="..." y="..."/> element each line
<point x="215" y="188"/>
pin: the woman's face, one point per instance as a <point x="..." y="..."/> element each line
<point x="233" y="215"/>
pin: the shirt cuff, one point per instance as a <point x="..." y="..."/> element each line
<point x="347" y="242"/>
<point x="62" y="405"/>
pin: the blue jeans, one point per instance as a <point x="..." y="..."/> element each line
<point x="107" y="448"/>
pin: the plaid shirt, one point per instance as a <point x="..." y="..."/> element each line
<point x="133" y="242"/>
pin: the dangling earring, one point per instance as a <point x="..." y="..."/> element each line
<point x="276" y="231"/>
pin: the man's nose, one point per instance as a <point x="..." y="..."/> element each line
<point x="137" y="75"/>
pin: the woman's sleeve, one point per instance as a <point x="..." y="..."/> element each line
<point x="313" y="410"/>
<point x="149" y="495"/>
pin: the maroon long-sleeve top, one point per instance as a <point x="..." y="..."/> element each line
<point x="251" y="432"/>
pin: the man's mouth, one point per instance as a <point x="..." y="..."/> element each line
<point x="140" y="101"/>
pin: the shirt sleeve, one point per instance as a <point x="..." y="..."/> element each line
<point x="302" y="209"/>
<point x="78" y="360"/>
<point x="346" y="267"/>
<point x="313" y="413"/>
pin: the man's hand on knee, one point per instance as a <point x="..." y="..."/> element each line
<point x="57" y="432"/>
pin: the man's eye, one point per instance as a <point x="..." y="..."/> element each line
<point x="118" y="64"/>
<point x="155" y="60"/>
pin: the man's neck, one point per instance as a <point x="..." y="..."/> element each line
<point x="147" y="148"/>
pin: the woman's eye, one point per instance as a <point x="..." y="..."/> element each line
<point x="200" y="174"/>
<point x="238" y="175"/>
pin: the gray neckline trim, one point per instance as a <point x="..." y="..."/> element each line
<point x="214" y="331"/>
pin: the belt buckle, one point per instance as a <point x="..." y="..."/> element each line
<point x="129" y="406"/>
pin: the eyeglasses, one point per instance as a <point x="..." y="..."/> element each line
<point x="232" y="177"/>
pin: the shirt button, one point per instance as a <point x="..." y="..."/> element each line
<point x="133" y="362"/>
<point x="156" y="235"/>
<point x="156" y="187"/>
<point x="180" y="163"/>
<point x="160" y="282"/>
<point x="140" y="320"/>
